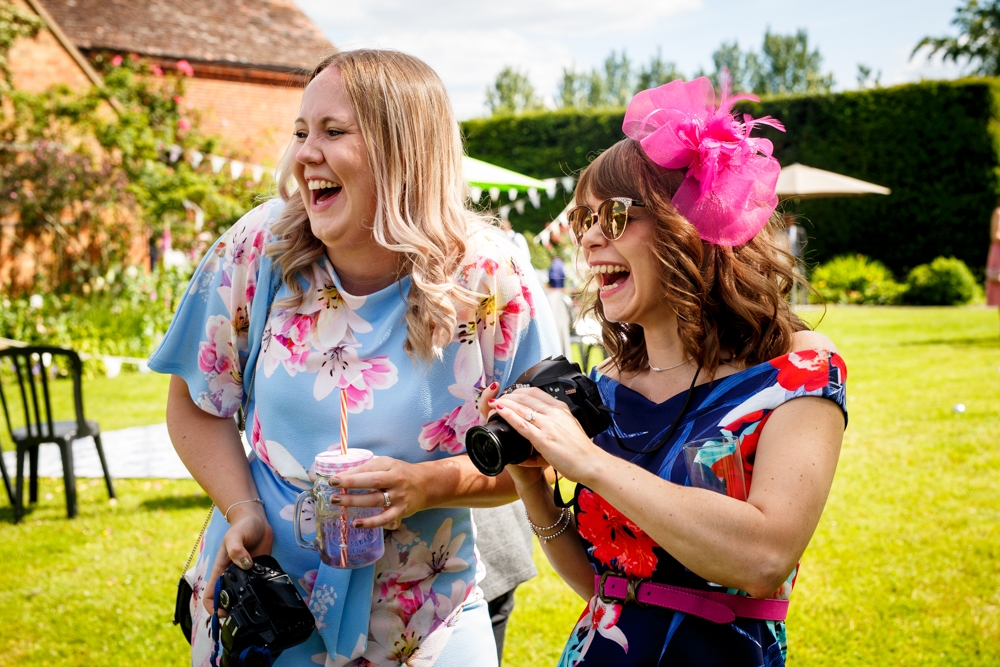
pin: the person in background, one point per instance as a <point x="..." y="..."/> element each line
<point x="517" y="238"/>
<point x="505" y="545"/>
<point x="561" y="304"/>
<point x="993" y="261"/>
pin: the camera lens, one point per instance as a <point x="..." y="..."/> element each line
<point x="495" y="445"/>
<point x="484" y="450"/>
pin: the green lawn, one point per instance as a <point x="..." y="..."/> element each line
<point x="904" y="568"/>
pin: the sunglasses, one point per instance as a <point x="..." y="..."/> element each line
<point x="611" y="215"/>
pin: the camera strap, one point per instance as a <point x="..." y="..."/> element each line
<point x="216" y="626"/>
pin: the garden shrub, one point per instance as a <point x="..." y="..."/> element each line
<point x="123" y="313"/>
<point x="856" y="279"/>
<point x="944" y="282"/>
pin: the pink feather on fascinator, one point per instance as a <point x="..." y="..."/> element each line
<point x="728" y="193"/>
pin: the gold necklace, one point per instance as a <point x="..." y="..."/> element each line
<point x="668" y="368"/>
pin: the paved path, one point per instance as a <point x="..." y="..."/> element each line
<point x="142" y="451"/>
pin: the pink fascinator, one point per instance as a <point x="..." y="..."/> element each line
<point x="728" y="193"/>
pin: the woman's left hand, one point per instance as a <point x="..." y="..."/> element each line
<point x="400" y="480"/>
<point x="552" y="430"/>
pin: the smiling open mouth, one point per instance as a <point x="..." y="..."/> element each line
<point x="610" y="276"/>
<point x="323" y="190"/>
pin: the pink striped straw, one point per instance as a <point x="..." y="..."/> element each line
<point x="343" y="421"/>
<point x="343" y="450"/>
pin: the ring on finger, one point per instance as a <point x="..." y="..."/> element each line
<point x="530" y="417"/>
<point x="385" y="505"/>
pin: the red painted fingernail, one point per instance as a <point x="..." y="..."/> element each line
<point x="494" y="385"/>
<point x="492" y="401"/>
<point x="499" y="407"/>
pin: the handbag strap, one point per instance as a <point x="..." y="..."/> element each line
<point x="244" y="406"/>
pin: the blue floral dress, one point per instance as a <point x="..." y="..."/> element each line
<point x="738" y="405"/>
<point x="406" y="607"/>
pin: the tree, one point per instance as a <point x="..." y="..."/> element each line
<point x="656" y="73"/>
<point x="741" y="65"/>
<point x="784" y="66"/>
<point x="787" y="66"/>
<point x="512" y="93"/>
<point x="866" y="78"/>
<point x="978" y="41"/>
<point x="609" y="86"/>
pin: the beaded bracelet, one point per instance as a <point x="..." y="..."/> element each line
<point x="225" y="515"/>
<point x="566" y="522"/>
<point x="565" y="517"/>
<point x="535" y="529"/>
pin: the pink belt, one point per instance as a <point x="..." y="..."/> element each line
<point x="709" y="605"/>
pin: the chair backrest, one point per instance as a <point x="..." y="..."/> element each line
<point x="30" y="367"/>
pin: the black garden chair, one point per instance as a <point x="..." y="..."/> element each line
<point x="30" y="369"/>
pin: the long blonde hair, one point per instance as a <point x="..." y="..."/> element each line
<point x="415" y="153"/>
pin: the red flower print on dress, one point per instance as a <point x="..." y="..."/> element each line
<point x="617" y="540"/>
<point x="808" y="369"/>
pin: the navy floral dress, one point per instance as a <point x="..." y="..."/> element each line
<point x="738" y="405"/>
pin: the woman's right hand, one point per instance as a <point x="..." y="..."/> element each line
<point x="249" y="535"/>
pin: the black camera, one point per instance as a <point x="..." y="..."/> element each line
<point x="266" y="614"/>
<point x="497" y="444"/>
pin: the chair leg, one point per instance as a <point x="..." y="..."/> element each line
<point x="33" y="474"/>
<point x="69" y="478"/>
<point x="6" y="479"/>
<point x="19" y="496"/>
<point x="104" y="466"/>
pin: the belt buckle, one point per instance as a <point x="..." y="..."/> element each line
<point x="600" y="588"/>
<point x="631" y="594"/>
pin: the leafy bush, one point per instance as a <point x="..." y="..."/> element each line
<point x="123" y="313"/>
<point x="944" y="282"/>
<point x="856" y="279"/>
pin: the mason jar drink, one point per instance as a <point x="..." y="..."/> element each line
<point x="338" y="542"/>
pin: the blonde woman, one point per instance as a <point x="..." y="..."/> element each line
<point x="369" y="277"/>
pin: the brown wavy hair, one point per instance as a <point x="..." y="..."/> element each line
<point x="731" y="302"/>
<point x="415" y="152"/>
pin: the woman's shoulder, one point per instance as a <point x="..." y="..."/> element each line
<point x="491" y="259"/>
<point x="811" y="340"/>
<point x="254" y="228"/>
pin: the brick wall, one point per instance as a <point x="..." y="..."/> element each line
<point x="41" y="62"/>
<point x="254" y="119"/>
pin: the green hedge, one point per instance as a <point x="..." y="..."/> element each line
<point x="935" y="144"/>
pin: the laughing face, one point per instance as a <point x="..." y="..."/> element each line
<point x="626" y="270"/>
<point x="331" y="168"/>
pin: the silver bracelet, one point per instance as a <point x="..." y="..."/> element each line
<point x="535" y="529"/>
<point x="225" y="515"/>
<point x="545" y="538"/>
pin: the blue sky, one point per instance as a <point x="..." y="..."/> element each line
<point x="468" y="43"/>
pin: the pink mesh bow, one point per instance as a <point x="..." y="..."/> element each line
<point x="729" y="191"/>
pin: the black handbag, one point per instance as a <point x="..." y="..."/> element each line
<point x="185" y="587"/>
